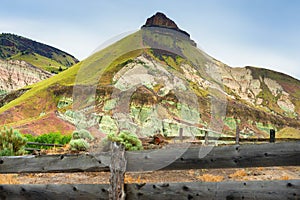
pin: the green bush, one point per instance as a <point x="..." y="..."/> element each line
<point x="80" y="139"/>
<point x="65" y="139"/>
<point x="79" y="144"/>
<point x="129" y="140"/>
<point x="12" y="143"/>
<point x="30" y="138"/>
<point x="50" y="138"/>
<point x="82" y="134"/>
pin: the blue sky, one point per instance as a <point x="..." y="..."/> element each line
<point x="262" y="33"/>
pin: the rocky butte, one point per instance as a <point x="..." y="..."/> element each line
<point x="162" y="21"/>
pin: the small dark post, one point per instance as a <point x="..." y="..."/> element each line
<point x="237" y="135"/>
<point x="272" y="135"/>
<point x="181" y="134"/>
<point x="206" y="137"/>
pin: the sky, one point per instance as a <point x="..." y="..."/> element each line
<point x="261" y="33"/>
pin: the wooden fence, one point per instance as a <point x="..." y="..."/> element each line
<point x="232" y="156"/>
<point x="153" y="191"/>
<point x="31" y="149"/>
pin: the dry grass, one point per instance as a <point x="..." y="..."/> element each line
<point x="130" y="179"/>
<point x="211" y="178"/>
<point x="66" y="149"/>
<point x="8" y="179"/>
<point x="260" y="169"/>
<point x="285" y="178"/>
<point x="239" y="174"/>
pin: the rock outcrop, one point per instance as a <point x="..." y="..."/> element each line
<point x="161" y="20"/>
<point x="16" y="74"/>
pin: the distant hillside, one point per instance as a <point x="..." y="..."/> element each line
<point x="14" y="47"/>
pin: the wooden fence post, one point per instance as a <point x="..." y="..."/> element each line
<point x="206" y="137"/>
<point x="237" y="135"/>
<point x="181" y="134"/>
<point x="272" y="135"/>
<point x="117" y="170"/>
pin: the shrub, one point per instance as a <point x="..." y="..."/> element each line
<point x="79" y="144"/>
<point x="82" y="134"/>
<point x="50" y="138"/>
<point x="65" y="139"/>
<point x="30" y="138"/>
<point x="80" y="139"/>
<point x="129" y="140"/>
<point x="12" y="142"/>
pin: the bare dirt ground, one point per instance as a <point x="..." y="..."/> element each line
<point x="210" y="175"/>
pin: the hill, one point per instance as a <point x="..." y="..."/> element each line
<point x="156" y="80"/>
<point x="14" y="47"/>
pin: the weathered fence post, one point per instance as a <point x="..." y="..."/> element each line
<point x="237" y="135"/>
<point x="272" y="135"/>
<point x="117" y="170"/>
<point x="181" y="134"/>
<point x="206" y="137"/>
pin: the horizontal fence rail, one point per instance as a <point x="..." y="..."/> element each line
<point x="233" y="156"/>
<point x="45" y="144"/>
<point x="289" y="189"/>
<point x="40" y="144"/>
<point x="232" y="139"/>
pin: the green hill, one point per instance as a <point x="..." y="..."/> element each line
<point x="14" y="47"/>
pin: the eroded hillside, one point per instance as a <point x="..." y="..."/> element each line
<point x="157" y="81"/>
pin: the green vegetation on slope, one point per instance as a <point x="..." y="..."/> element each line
<point x="42" y="62"/>
<point x="38" y="54"/>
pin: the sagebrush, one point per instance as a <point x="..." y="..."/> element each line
<point x="12" y="143"/>
<point x="129" y="140"/>
<point x="80" y="140"/>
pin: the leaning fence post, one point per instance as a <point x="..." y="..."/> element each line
<point x="117" y="170"/>
<point x="272" y="135"/>
<point x="237" y="135"/>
